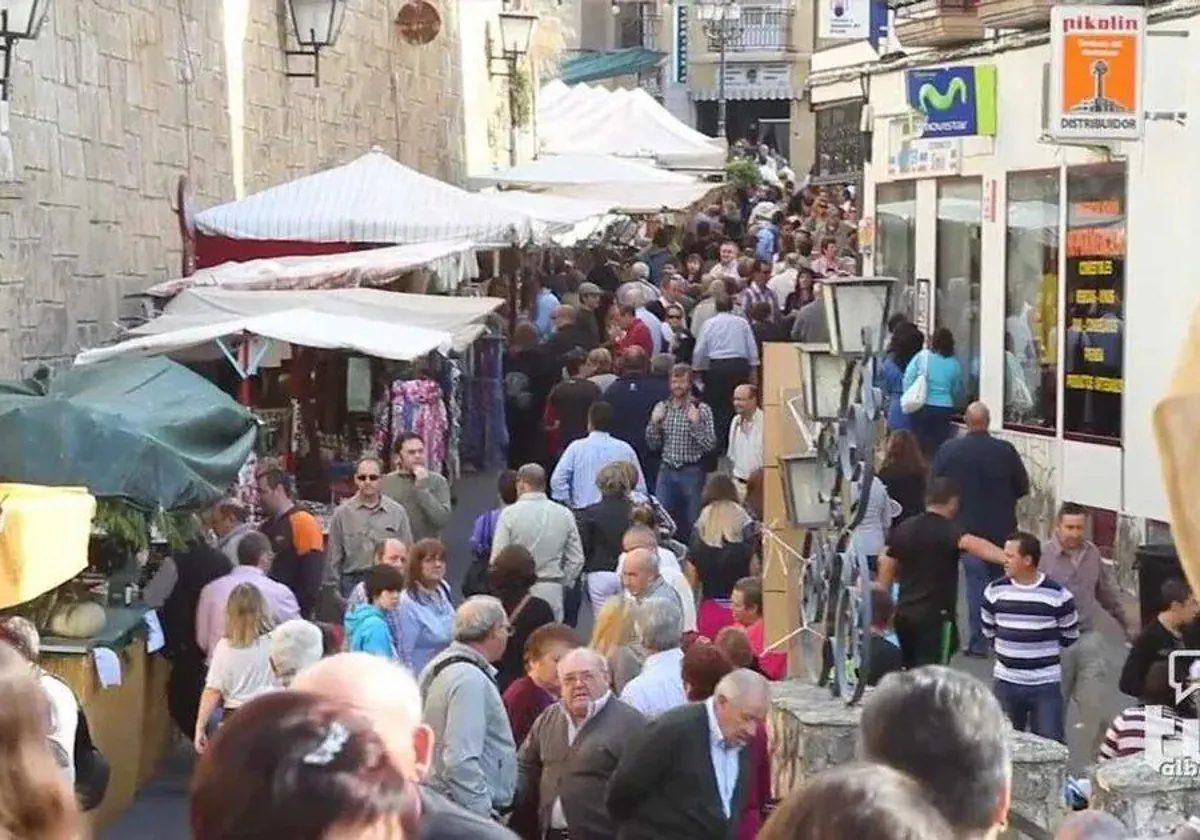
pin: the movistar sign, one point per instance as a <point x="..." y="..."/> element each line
<point x="956" y="101"/>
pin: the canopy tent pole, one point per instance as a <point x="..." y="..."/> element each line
<point x="245" y="364"/>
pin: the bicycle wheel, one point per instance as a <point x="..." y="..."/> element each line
<point x="852" y="628"/>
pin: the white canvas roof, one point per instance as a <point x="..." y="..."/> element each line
<point x="641" y="198"/>
<point x="374" y="267"/>
<point x="573" y="169"/>
<point x="628" y="123"/>
<point x="304" y="327"/>
<point x="373" y="199"/>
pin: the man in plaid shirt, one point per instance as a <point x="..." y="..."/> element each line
<point x="682" y="428"/>
<point x="757" y="291"/>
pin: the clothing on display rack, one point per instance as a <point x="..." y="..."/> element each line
<point x="485" y="443"/>
<point x="418" y="406"/>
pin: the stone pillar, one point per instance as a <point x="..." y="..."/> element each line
<point x="809" y="730"/>
<point x="1149" y="803"/>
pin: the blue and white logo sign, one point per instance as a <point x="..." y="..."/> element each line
<point x="844" y="20"/>
<point x="955" y="101"/>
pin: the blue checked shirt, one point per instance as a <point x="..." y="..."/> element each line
<point x="682" y="442"/>
<point x="753" y="294"/>
<point x="574" y="480"/>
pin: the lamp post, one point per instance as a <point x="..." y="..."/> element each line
<point x="316" y="25"/>
<point x="20" y="20"/>
<point x="516" y="33"/>
<point x="828" y="482"/>
<point x="722" y="22"/>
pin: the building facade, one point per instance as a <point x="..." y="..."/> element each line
<point x="1056" y="267"/>
<point x="118" y="99"/>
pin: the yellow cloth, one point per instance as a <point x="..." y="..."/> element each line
<point x="43" y="538"/>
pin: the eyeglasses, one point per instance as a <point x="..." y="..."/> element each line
<point x="374" y="477"/>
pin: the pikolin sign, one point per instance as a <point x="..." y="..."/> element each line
<point x="1097" y="55"/>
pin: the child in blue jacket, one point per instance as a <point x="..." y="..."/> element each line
<point x="367" y="628"/>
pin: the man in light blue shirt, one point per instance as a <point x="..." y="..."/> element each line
<point x="726" y="355"/>
<point x="574" y="480"/>
<point x="543" y="311"/>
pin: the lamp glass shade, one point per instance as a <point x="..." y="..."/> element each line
<point x="317" y="23"/>
<point x="718" y="11"/>
<point x="807" y="485"/>
<point x="822" y="374"/>
<point x="23" y="18"/>
<point x="853" y="304"/>
<point x="516" y="32"/>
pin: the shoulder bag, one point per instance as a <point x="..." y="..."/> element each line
<point x="914" y="396"/>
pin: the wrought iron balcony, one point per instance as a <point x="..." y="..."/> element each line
<point x="640" y="27"/>
<point x="755" y="29"/>
<point x="937" y="23"/>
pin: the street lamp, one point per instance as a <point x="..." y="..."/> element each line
<point x="20" y="20"/>
<point x="857" y="309"/>
<point x="516" y="34"/>
<point x="722" y="22"/>
<point x="822" y="373"/>
<point x="316" y="25"/>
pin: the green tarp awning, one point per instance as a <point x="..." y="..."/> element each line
<point x="146" y="430"/>
<point x="592" y="67"/>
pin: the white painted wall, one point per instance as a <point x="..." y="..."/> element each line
<point x="1160" y="285"/>
<point x="479" y="88"/>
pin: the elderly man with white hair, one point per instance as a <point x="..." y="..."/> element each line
<point x="387" y="695"/>
<point x="640" y="584"/>
<point x="659" y="686"/>
<point x="295" y="645"/>
<point x="573" y="748"/>
<point x="637" y="293"/>
<point x="475" y="763"/>
<point x="663" y="786"/>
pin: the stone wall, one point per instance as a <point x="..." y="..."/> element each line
<point x="113" y="102"/>
<point x="118" y="98"/>
<point x="376" y="90"/>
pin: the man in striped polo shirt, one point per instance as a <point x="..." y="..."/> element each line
<point x="1030" y="620"/>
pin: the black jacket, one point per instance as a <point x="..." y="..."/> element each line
<point x="991" y="479"/>
<point x="602" y="526"/>
<point x="664" y="787"/>
<point x="441" y="819"/>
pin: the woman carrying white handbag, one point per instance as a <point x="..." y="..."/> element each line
<point x="933" y="387"/>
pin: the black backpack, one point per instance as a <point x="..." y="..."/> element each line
<point x="437" y="669"/>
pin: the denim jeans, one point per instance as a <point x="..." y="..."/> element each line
<point x="978" y="574"/>
<point x="1034" y="708"/>
<point x="679" y="492"/>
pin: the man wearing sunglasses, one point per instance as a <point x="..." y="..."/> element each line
<point x="359" y="524"/>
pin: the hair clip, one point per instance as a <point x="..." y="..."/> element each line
<point x="326" y="751"/>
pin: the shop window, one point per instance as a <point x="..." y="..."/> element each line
<point x="1094" y="281"/>
<point x="896" y="238"/>
<point x="1031" y="301"/>
<point x="956" y="297"/>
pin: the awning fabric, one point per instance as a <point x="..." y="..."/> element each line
<point x="461" y="317"/>
<point x="751" y="93"/>
<point x="574" y="169"/>
<point x="373" y="267"/>
<point x="373" y="199"/>
<point x="303" y="327"/>
<point x="625" y="123"/>
<point x="609" y="64"/>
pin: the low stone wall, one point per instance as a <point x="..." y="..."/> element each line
<point x="809" y="730"/>
<point x="1149" y="803"/>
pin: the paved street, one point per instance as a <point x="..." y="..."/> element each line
<point x="160" y="812"/>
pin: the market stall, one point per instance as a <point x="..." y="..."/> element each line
<point x="370" y="202"/>
<point x="387" y="357"/>
<point x="151" y="442"/>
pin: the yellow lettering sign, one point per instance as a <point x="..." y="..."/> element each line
<point x="1108" y="296"/>
<point x="1093" y="354"/>
<point x="1085" y="296"/>
<point x="1096" y="268"/>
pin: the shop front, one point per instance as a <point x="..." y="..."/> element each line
<point x="1051" y="266"/>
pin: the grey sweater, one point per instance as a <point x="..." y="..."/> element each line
<point x="577" y="773"/>
<point x="427" y="501"/>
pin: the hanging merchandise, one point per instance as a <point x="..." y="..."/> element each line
<point x="414" y="406"/>
<point x="454" y="399"/>
<point x="485" y="441"/>
<point x="246" y="489"/>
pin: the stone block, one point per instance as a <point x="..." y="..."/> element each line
<point x="809" y="730"/>
<point x="1149" y="803"/>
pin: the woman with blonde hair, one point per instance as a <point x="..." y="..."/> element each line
<point x="600" y="368"/>
<point x="36" y="802"/>
<point x="719" y="554"/>
<point x="240" y="667"/>
<point x="615" y="638"/>
<point x="602" y="526"/>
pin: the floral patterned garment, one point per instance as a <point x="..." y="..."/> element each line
<point x="416" y="405"/>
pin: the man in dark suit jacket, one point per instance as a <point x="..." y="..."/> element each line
<point x="991" y="479"/>
<point x="633" y="396"/>
<point x="687" y="775"/>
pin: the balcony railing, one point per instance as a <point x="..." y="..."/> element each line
<point x="1014" y="14"/>
<point x="639" y="30"/>
<point x="757" y="29"/>
<point x="937" y="23"/>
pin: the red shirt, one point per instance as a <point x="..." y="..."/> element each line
<point x="638" y="335"/>
<point x="773" y="664"/>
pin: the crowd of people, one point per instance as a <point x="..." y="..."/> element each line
<point x="340" y="687"/>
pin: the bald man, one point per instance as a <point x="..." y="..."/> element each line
<point x="387" y="695"/>
<point x="573" y="748"/>
<point x="991" y="479"/>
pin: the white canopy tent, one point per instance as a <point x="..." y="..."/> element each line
<point x="574" y="169"/>
<point x="374" y="267"/>
<point x="373" y="199"/>
<point x="628" y="123"/>
<point x="304" y="327"/>
<point x="460" y="317"/>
